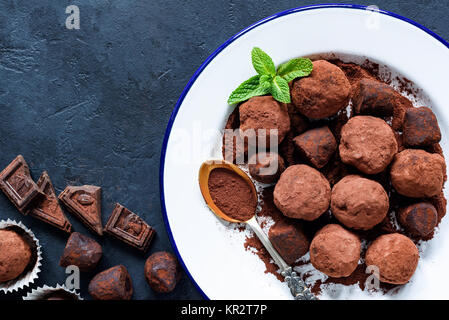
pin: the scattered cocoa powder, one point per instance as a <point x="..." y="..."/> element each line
<point x="262" y="253"/>
<point x="232" y="194"/>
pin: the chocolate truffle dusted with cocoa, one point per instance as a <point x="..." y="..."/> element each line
<point x="419" y="219"/>
<point x="112" y="284"/>
<point x="367" y="143"/>
<point x="417" y="173"/>
<point x="372" y="97"/>
<point x="60" y="295"/>
<point x="395" y="255"/>
<point x="15" y="255"/>
<point x="420" y="127"/>
<point x="289" y="240"/>
<point x="266" y="167"/>
<point x="302" y="192"/>
<point x="358" y="202"/>
<point x="162" y="271"/>
<point x="81" y="251"/>
<point x="262" y="114"/>
<point x="322" y="94"/>
<point x="335" y="251"/>
<point x="298" y="122"/>
<point x="317" y="145"/>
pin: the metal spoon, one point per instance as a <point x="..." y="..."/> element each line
<point x="297" y="287"/>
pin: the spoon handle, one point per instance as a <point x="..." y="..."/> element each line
<point x="297" y="287"/>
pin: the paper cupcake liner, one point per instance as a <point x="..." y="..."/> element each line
<point x="29" y="277"/>
<point x="42" y="292"/>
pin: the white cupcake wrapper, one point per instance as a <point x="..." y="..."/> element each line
<point x="41" y="292"/>
<point x="28" y="278"/>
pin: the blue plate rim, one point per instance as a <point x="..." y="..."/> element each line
<point x="205" y="64"/>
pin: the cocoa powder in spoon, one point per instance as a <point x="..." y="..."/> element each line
<point x="232" y="194"/>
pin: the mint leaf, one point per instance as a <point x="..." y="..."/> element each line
<point x="270" y="80"/>
<point x="280" y="90"/>
<point x="248" y="89"/>
<point x="262" y="62"/>
<point x="265" y="78"/>
<point x="295" y="68"/>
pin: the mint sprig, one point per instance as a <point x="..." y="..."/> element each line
<point x="269" y="79"/>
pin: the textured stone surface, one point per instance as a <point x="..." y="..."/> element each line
<point x="76" y="92"/>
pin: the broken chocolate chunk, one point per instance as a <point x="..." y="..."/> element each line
<point x="18" y="186"/>
<point x="112" y="284"/>
<point x="317" y="146"/>
<point x="85" y="203"/>
<point x="421" y="127"/>
<point x="48" y="209"/>
<point x="130" y="228"/>
<point x="81" y="251"/>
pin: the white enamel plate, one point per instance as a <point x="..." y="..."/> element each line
<point x="211" y="252"/>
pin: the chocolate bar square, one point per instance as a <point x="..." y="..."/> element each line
<point x="85" y="203"/>
<point x="130" y="228"/>
<point x="19" y="187"/>
<point x="48" y="209"/>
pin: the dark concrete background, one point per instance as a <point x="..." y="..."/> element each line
<point x="90" y="106"/>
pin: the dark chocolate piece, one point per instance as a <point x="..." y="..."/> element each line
<point x="48" y="209"/>
<point x="18" y="186"/>
<point x="162" y="272"/>
<point x="375" y="98"/>
<point x="420" y="127"/>
<point x="112" y="284"/>
<point x="130" y="228"/>
<point x="85" y="203"/>
<point x="419" y="219"/>
<point x="317" y="145"/>
<point x="81" y="251"/>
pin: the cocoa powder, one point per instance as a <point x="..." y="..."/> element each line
<point x="232" y="194"/>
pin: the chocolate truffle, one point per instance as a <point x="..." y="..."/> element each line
<point x="372" y="97"/>
<point x="289" y="240"/>
<point x="302" y="192"/>
<point x="162" y="271"/>
<point x="234" y="149"/>
<point x="112" y="284"/>
<point x="317" y="145"/>
<point x="266" y="167"/>
<point x="298" y="122"/>
<point x="81" y="251"/>
<point x="395" y="255"/>
<point x="15" y="255"/>
<point x="335" y="251"/>
<point x="420" y="127"/>
<point x="322" y="94"/>
<point x="262" y="114"/>
<point x="419" y="219"/>
<point x="417" y="173"/>
<point x="358" y="202"/>
<point x="367" y="143"/>
<point x="60" y="295"/>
